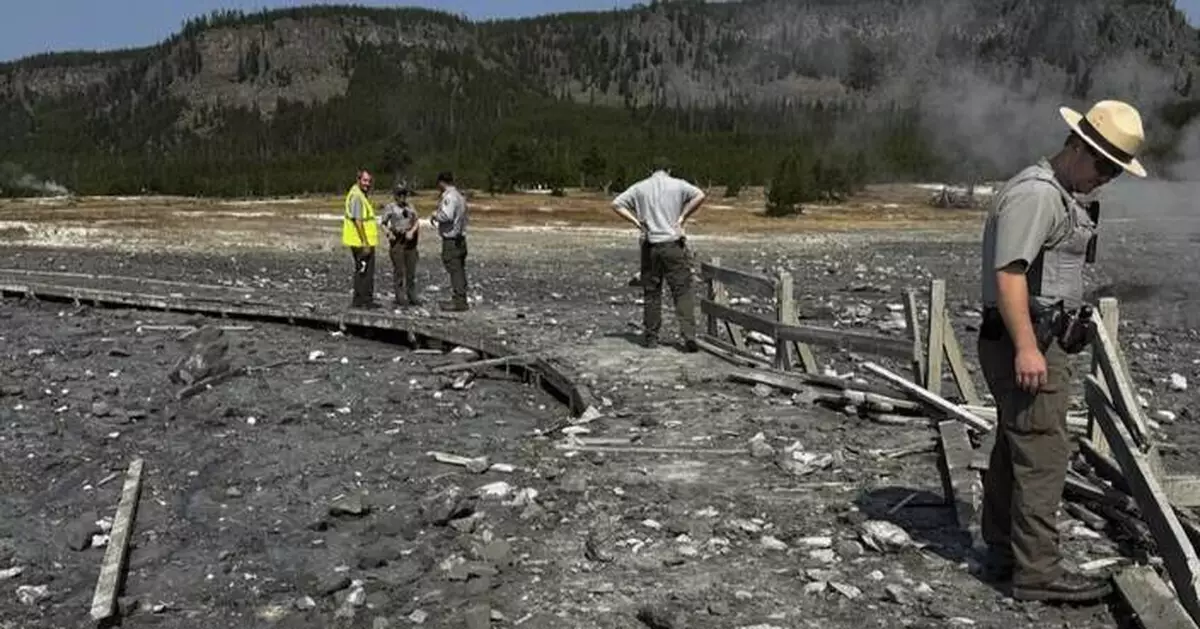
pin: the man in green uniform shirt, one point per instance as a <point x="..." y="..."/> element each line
<point x="1035" y="245"/>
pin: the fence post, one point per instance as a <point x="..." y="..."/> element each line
<point x="937" y="330"/>
<point x="713" y="293"/>
<point x="1110" y="313"/>
<point x="785" y="313"/>
<point x="913" y="319"/>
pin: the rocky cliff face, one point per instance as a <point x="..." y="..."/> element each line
<point x="685" y="53"/>
<point x="972" y="67"/>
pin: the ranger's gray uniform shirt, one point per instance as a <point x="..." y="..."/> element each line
<point x="398" y="218"/>
<point x="451" y="215"/>
<point x="1032" y="215"/>
<point x="658" y="201"/>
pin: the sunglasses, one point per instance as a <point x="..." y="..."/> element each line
<point x="1104" y="166"/>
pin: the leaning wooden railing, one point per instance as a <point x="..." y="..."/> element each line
<point x="792" y="341"/>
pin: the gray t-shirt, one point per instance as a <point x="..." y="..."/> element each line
<point x="398" y="218"/>
<point x="1026" y="214"/>
<point x="356" y="208"/>
<point x="658" y="201"/>
<point x="451" y="215"/>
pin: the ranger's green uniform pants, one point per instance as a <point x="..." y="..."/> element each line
<point x="454" y="258"/>
<point x="669" y="261"/>
<point x="1024" y="481"/>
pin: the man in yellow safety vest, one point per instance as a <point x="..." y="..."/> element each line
<point x="361" y="235"/>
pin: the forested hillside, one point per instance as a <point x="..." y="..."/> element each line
<point x="292" y="101"/>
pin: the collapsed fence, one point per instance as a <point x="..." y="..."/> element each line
<point x="1116" y="479"/>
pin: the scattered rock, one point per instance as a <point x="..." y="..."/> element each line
<point x="10" y="573"/>
<point x="657" y="618"/>
<point x="759" y="448"/>
<point x="417" y="617"/>
<point x="349" y="505"/>
<point x="478" y="617"/>
<point x="1166" y="417"/>
<point x="330" y="583"/>
<point x="884" y="536"/>
<point x="772" y="543"/>
<point x="1178" y="382"/>
<point x="32" y="594"/>
<point x="718" y="608"/>
<point x="78" y="535"/>
<point x="446" y="505"/>
<point x="849" y="549"/>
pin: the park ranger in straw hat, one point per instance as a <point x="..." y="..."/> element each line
<point x="1036" y="241"/>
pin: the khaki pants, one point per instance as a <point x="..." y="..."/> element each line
<point x="1024" y="482"/>
<point x="404" y="256"/>
<point x="669" y="261"/>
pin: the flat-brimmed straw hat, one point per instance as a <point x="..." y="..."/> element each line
<point x="1114" y="129"/>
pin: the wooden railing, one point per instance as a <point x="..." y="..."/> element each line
<point x="793" y="342"/>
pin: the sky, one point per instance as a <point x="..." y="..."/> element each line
<point x="35" y="26"/>
<point x="29" y="27"/>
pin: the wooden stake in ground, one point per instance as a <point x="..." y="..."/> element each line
<point x="912" y="318"/>
<point x="1110" y="313"/>
<point x="104" y="602"/>
<point x="937" y="345"/>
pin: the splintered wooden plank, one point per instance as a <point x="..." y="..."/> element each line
<point x="1169" y="535"/>
<point x="958" y="365"/>
<point x="104" y="602"/>
<point x="962" y="486"/>
<point x="914" y="330"/>
<point x="1110" y="314"/>
<point x="1116" y="376"/>
<point x="785" y="312"/>
<point x="1151" y="600"/>
<point x="1184" y="491"/>
<point x="853" y="341"/>
<point x="936" y="401"/>
<point x="739" y="319"/>
<point x="937" y="330"/>
<point x="752" y="283"/>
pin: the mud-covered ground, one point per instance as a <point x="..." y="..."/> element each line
<point x="707" y="541"/>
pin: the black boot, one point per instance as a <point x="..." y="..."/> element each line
<point x="1069" y="588"/>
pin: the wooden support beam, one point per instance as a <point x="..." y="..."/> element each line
<point x="725" y="351"/>
<point x="719" y="294"/>
<point x="785" y="312"/>
<point x="799" y="383"/>
<point x="936" y="344"/>
<point x="1169" y="535"/>
<point x="962" y="486"/>
<point x="860" y="342"/>
<point x="788" y="315"/>
<point x="1120" y="385"/>
<point x="936" y="401"/>
<point x="1110" y="314"/>
<point x="1152" y="602"/>
<point x="481" y="364"/>
<point x="757" y="285"/>
<point x="958" y="364"/>
<point x="913" y="319"/>
<point x="108" y="585"/>
<point x="741" y="319"/>
<point x="651" y="450"/>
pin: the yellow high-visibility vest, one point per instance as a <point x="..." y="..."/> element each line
<point x="349" y="233"/>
